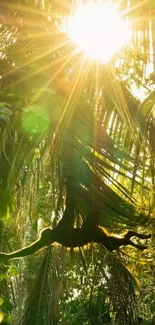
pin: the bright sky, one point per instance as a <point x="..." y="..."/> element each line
<point x="98" y="30"/>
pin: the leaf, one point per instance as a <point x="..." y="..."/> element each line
<point x="7" y="306"/>
<point x="5" y="112"/>
<point x="146" y="106"/>
<point x="1" y="301"/>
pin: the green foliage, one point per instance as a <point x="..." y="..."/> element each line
<point x="57" y="119"/>
<point x="6" y="202"/>
<point x="82" y="311"/>
<point x="5" y="113"/>
<point x="5" y="310"/>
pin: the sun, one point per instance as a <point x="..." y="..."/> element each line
<point x="98" y="30"/>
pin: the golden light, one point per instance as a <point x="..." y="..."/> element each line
<point x="98" y="30"/>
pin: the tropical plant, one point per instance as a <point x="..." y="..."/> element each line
<point x="56" y="120"/>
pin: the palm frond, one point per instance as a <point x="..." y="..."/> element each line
<point x="42" y="305"/>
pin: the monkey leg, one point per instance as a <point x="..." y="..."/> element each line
<point x="131" y="233"/>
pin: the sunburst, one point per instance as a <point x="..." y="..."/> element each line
<point x="98" y="30"/>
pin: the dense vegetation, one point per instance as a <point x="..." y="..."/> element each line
<point x="62" y="116"/>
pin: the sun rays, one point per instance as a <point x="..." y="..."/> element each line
<point x="64" y="51"/>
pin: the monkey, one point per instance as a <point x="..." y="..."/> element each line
<point x="77" y="237"/>
<point x="65" y="234"/>
<point x="111" y="241"/>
